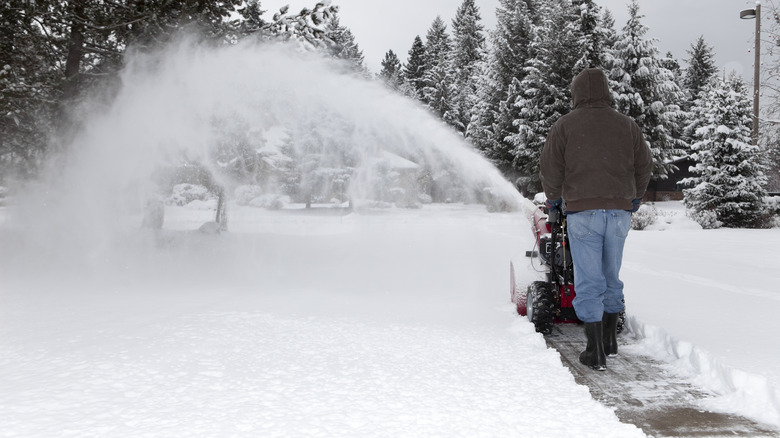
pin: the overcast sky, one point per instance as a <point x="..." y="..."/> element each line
<point x="382" y="25"/>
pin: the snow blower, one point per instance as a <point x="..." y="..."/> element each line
<point x="549" y="302"/>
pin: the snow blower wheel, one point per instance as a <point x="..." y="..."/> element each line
<point x="540" y="306"/>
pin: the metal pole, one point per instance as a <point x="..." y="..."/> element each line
<point x="757" y="73"/>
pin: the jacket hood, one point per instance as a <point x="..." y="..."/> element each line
<point x="590" y="87"/>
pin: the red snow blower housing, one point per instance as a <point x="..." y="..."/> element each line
<point x="549" y="302"/>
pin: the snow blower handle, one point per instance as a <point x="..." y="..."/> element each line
<point x="553" y="210"/>
<point x="553" y="205"/>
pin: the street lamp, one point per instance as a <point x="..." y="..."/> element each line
<point x="749" y="14"/>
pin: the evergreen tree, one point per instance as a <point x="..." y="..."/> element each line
<point x="729" y="187"/>
<point x="415" y="67"/>
<point x="343" y="44"/>
<point x="310" y="27"/>
<point x="557" y="51"/>
<point x="500" y="87"/>
<point x="391" y="72"/>
<point x="252" y="20"/>
<point x="481" y="126"/>
<point x="646" y="91"/>
<point x="439" y="79"/>
<point x="594" y="35"/>
<point x="468" y="52"/>
<point x="701" y="68"/>
<point x="27" y="77"/>
<point x="610" y="35"/>
<point x="55" y="50"/>
<point x="437" y="43"/>
<point x="51" y="52"/>
<point x="437" y="52"/>
<point x="700" y="73"/>
<point x="670" y="63"/>
<point x="439" y="94"/>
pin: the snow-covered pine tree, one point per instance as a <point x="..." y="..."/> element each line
<point x="309" y="27"/>
<point x="391" y="73"/>
<point x="440" y="92"/>
<point x="468" y="51"/>
<point x="700" y="73"/>
<point x="415" y="67"/>
<point x="439" y="79"/>
<point x="479" y="131"/>
<point x="51" y="52"/>
<point x="646" y="91"/>
<point x="252" y="20"/>
<point x="607" y="21"/>
<point x="494" y="117"/>
<point x="289" y="172"/>
<point x="557" y="50"/>
<point x="671" y="63"/>
<point x="28" y="79"/>
<point x="701" y="68"/>
<point x="594" y="35"/>
<point x="437" y="43"/>
<point x="344" y="45"/>
<point x="729" y="187"/>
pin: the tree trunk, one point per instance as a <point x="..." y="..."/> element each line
<point x="75" y="54"/>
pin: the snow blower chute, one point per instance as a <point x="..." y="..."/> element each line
<point x="549" y="302"/>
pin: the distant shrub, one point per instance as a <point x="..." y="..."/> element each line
<point x="772" y="205"/>
<point x="425" y="198"/>
<point x="270" y="201"/>
<point x="245" y="194"/>
<point x="708" y="219"/>
<point x="183" y="194"/>
<point x="644" y="217"/>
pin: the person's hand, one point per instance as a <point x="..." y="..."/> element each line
<point x="637" y="202"/>
<point x="553" y="205"/>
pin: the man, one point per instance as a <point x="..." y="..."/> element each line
<point x="596" y="165"/>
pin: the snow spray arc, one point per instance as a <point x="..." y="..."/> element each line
<point x="266" y="116"/>
<point x="298" y="124"/>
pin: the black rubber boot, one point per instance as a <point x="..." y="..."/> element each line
<point x="594" y="356"/>
<point x="610" y="334"/>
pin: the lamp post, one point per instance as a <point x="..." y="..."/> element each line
<point x="746" y="15"/>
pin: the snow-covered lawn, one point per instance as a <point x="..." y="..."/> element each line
<point x="707" y="301"/>
<point x="379" y="323"/>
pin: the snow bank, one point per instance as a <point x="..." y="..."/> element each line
<point x="702" y="300"/>
<point x="749" y="394"/>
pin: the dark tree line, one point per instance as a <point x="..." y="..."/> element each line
<point x="53" y="52"/>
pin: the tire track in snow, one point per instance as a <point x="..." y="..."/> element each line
<point x="702" y="281"/>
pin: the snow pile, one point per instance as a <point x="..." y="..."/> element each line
<point x="750" y="394"/>
<point x="701" y="300"/>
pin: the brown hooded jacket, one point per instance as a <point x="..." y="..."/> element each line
<point x="595" y="157"/>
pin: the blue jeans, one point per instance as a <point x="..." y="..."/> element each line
<point x="597" y="238"/>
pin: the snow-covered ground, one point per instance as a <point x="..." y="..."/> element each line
<point x="376" y="323"/>
<point x="707" y="301"/>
